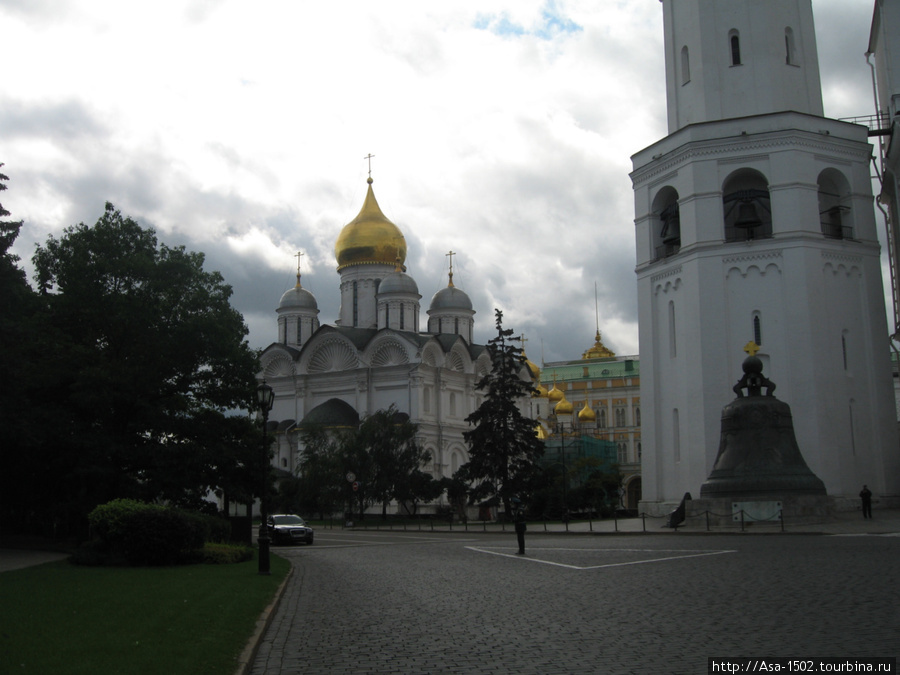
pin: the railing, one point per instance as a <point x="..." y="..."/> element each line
<point x="878" y="124"/>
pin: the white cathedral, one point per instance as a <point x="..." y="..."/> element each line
<point x="376" y="355"/>
<point x="755" y="222"/>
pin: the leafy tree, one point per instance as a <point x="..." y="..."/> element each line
<point x="148" y="356"/>
<point x="23" y="341"/>
<point x="503" y="446"/>
<point x="320" y="485"/>
<point x="383" y="454"/>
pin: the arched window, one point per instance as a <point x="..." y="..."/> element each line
<point x="757" y="330"/>
<point x="734" y="42"/>
<point x="835" y="215"/>
<point x="685" y="65"/>
<point x="746" y="206"/>
<point x="667" y="230"/>
<point x="452" y="404"/>
<point x="790" y="53"/>
<point x="637" y="417"/>
<point x="402" y="317"/>
<point x="601" y="419"/>
<point x="355" y="304"/>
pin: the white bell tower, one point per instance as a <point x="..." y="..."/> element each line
<point x="754" y="221"/>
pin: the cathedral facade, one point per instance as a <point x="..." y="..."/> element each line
<point x="376" y="354"/>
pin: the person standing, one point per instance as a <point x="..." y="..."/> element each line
<point x="866" y="496"/>
<point x="520" y="525"/>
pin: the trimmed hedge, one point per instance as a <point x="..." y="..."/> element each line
<point x="151" y="534"/>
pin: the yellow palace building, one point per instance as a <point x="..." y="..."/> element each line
<point x="597" y="397"/>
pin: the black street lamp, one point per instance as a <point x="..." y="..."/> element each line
<point x="265" y="396"/>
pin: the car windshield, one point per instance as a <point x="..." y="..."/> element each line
<point x="288" y="520"/>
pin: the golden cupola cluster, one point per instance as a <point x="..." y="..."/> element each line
<point x="370" y="238"/>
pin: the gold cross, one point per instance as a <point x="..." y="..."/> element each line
<point x="298" y="255"/>
<point x="751" y="348"/>
<point x="369" y="157"/>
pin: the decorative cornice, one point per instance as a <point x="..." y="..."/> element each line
<point x="751" y="150"/>
<point x="842" y="257"/>
<point x="662" y="275"/>
<point x="748" y="257"/>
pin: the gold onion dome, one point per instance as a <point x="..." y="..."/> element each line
<point x="540" y="391"/>
<point x="599" y="350"/>
<point x="555" y="394"/>
<point x="370" y="238"/>
<point x="564" y="407"/>
<point x="541" y="432"/>
<point x="586" y="414"/>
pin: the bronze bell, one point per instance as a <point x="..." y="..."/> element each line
<point x="747" y="217"/>
<point x="758" y="453"/>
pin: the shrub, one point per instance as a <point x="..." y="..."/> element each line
<point x="149" y="534"/>
<point x="225" y="554"/>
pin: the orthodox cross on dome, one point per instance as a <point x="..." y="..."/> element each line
<point x="450" y="255"/>
<point x="369" y="158"/>
<point x="298" y="255"/>
<point x="751" y="348"/>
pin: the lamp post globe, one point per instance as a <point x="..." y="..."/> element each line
<point x="265" y="397"/>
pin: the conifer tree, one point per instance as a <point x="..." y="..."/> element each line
<point x="503" y="446"/>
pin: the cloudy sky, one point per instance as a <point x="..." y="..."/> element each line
<point x="500" y="129"/>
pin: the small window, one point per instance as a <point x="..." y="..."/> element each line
<point x="685" y="65"/>
<point x="757" y="331"/>
<point x="790" y="55"/>
<point x="735" y="42"/>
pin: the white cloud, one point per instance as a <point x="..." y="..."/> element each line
<point x="501" y="130"/>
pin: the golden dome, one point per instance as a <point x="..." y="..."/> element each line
<point x="370" y="238"/>
<point x="541" y="432"/>
<point x="533" y="370"/>
<point x="586" y="414"/>
<point x="555" y="394"/>
<point x="540" y="391"/>
<point x="598" y="351"/>
<point x="564" y="407"/>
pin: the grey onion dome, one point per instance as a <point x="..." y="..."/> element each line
<point x="398" y="282"/>
<point x="450" y="298"/>
<point x="298" y="298"/>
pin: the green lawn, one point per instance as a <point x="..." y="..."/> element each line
<point x="195" y="619"/>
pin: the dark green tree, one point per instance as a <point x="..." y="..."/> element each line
<point x="320" y="485"/>
<point x="149" y="354"/>
<point x="386" y="457"/>
<point x="503" y="445"/>
<point x="24" y="489"/>
<point x="383" y="454"/>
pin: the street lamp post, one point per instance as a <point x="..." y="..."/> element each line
<point x="265" y="396"/>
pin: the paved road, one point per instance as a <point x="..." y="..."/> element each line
<point x="418" y="603"/>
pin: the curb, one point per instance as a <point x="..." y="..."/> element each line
<point x="245" y="660"/>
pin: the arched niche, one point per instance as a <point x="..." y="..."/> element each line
<point x="835" y="215"/>
<point x="746" y="206"/>
<point x="667" y="224"/>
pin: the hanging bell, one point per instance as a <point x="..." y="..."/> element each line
<point x="747" y="217"/>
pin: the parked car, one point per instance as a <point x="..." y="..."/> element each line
<point x="289" y="529"/>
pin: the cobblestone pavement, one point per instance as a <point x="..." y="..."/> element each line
<point x="409" y="603"/>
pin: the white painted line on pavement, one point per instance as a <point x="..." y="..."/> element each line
<point x="595" y="567"/>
